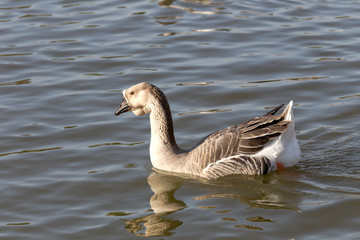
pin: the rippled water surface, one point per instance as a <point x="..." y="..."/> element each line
<point x="70" y="169"/>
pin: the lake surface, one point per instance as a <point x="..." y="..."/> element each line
<point x="70" y="169"/>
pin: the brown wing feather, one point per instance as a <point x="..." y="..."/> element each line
<point x="247" y="138"/>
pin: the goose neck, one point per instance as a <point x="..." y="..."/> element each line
<point x="162" y="130"/>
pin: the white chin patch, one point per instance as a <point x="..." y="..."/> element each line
<point x="138" y="112"/>
<point x="124" y="95"/>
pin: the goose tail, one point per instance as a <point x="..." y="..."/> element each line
<point x="291" y="150"/>
<point x="284" y="151"/>
<point x="288" y="113"/>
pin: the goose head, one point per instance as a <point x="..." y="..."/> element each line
<point x="137" y="99"/>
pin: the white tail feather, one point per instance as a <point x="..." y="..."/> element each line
<point x="284" y="149"/>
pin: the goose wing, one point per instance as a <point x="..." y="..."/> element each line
<point x="241" y="164"/>
<point x="246" y="139"/>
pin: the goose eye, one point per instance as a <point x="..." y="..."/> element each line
<point x="132" y="93"/>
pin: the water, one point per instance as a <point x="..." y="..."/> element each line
<point x="71" y="170"/>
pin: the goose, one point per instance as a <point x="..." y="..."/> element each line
<point x="258" y="146"/>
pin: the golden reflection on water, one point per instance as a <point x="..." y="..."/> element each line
<point x="15" y="54"/>
<point x="19" y="82"/>
<point x="291" y="79"/>
<point x="115" y="143"/>
<point x="18" y="224"/>
<point x="30" y="151"/>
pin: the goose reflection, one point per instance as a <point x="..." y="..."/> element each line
<point x="266" y="192"/>
<point x="162" y="203"/>
<point x="164" y="186"/>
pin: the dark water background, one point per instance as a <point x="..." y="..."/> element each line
<point x="70" y="169"/>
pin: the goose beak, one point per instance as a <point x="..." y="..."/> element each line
<point x="124" y="107"/>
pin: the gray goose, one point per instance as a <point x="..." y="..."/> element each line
<point x="257" y="146"/>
